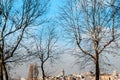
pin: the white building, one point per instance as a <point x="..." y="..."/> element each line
<point x="22" y="79"/>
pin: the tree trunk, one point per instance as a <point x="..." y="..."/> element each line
<point x="43" y="72"/>
<point x="5" y="70"/>
<point x="97" y="67"/>
<point x="1" y="70"/>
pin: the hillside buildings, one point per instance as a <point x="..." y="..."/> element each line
<point x="33" y="75"/>
<point x="82" y="76"/>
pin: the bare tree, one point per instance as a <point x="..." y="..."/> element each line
<point x="45" y="48"/>
<point x="93" y="25"/>
<point x="14" y="22"/>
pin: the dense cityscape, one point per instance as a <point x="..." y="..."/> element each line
<point x="33" y="75"/>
